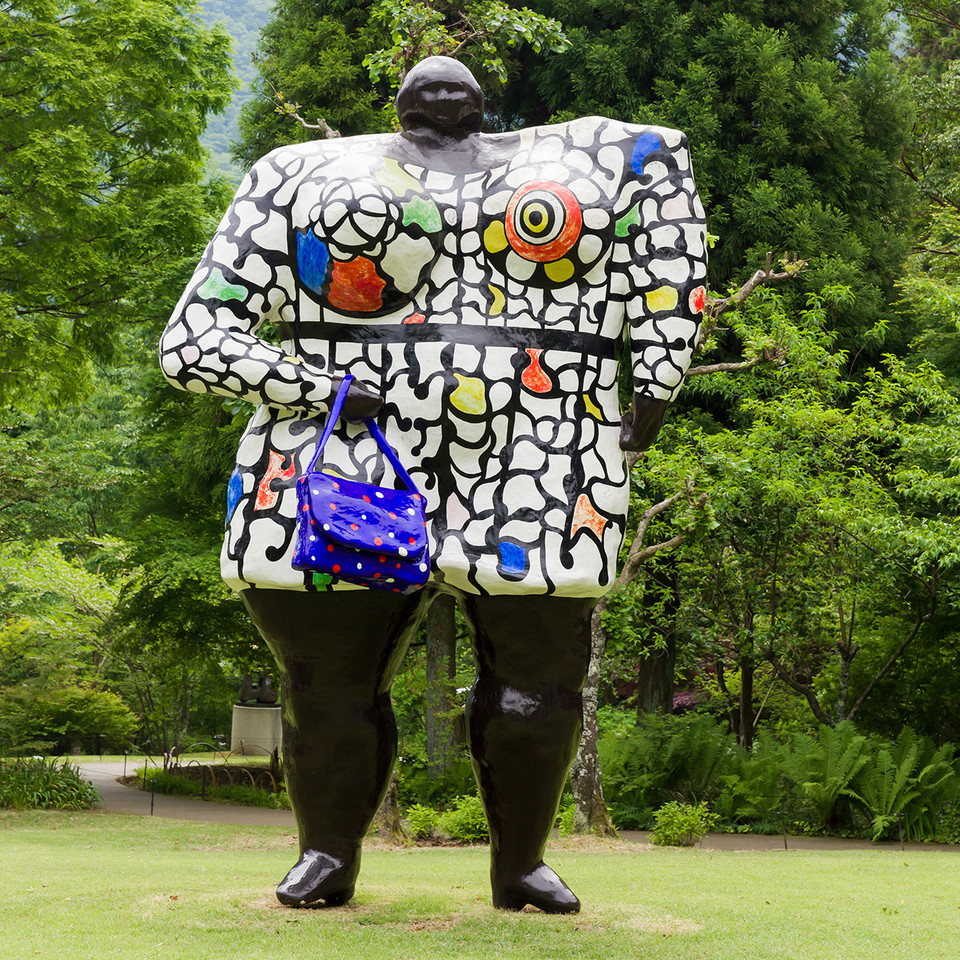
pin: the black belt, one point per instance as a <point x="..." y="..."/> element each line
<point x="606" y="348"/>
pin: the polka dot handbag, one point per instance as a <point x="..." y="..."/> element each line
<point x="359" y="532"/>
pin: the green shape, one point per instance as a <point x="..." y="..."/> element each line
<point x="423" y="212"/>
<point x="215" y="287"/>
<point x="321" y="580"/>
<point x="395" y="178"/>
<point x="629" y="219"/>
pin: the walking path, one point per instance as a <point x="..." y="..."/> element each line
<point x="118" y="798"/>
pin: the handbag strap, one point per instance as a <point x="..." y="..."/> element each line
<point x="371" y="425"/>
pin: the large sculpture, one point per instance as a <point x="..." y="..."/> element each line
<point x="478" y="287"/>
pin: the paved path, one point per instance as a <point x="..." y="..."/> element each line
<point x="118" y="798"/>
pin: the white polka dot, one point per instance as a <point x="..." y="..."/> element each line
<point x="403" y="551"/>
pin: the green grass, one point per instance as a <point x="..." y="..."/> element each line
<point x="81" y="885"/>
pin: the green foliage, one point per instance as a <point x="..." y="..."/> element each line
<point x="102" y="103"/>
<point x="423" y="821"/>
<point x="823" y="768"/>
<point x="465" y="822"/>
<point x="664" y="758"/>
<point x="481" y="32"/>
<point x="681" y="824"/>
<point x="36" y="783"/>
<point x="908" y="781"/>
<point x="173" y="784"/>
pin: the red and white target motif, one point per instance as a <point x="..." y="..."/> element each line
<point x="543" y="221"/>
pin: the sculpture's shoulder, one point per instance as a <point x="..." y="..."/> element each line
<point x="586" y="132"/>
<point x="347" y="156"/>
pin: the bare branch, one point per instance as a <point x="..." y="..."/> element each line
<point x="716" y="307"/>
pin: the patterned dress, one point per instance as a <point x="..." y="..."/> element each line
<point x="487" y="308"/>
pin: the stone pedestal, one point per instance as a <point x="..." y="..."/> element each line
<point x="256" y="730"/>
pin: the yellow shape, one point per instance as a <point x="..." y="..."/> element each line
<point x="592" y="408"/>
<point x="395" y="178"/>
<point x="495" y="237"/>
<point x="663" y="298"/>
<point x="293" y="360"/>
<point x="499" y="301"/>
<point x="559" y="271"/>
<point x="541" y="221"/>
<point x="470" y="396"/>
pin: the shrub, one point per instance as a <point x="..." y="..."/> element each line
<point x="465" y="822"/>
<point x="948" y="823"/>
<point x="681" y="824"/>
<point x="664" y="758"/>
<point x="565" y="819"/>
<point x="423" y="821"/>
<point x="35" y="783"/>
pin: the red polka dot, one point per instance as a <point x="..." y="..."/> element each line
<point x="365" y="497"/>
<point x="329" y="548"/>
<point x="382" y="559"/>
<point x="333" y="506"/>
<point x="336" y="568"/>
<point x="377" y="542"/>
<point x="413" y="540"/>
<point x="353" y="526"/>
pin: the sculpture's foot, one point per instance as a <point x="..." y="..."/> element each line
<point x="540" y="888"/>
<point x="318" y="876"/>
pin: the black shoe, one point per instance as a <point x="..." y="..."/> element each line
<point x="540" y="888"/>
<point x="318" y="876"/>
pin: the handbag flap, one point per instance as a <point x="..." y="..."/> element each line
<point x="365" y="516"/>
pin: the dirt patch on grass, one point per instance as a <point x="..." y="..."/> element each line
<point x="666" y="926"/>
<point x="589" y="844"/>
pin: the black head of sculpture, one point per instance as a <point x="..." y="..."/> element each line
<point x="442" y="94"/>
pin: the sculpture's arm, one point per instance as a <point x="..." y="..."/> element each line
<point x="244" y="279"/>
<point x="668" y="274"/>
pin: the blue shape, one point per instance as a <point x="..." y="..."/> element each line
<point x="513" y="558"/>
<point x="312" y="259"/>
<point x="647" y="143"/>
<point x="234" y="491"/>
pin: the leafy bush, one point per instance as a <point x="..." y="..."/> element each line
<point x="465" y="822"/>
<point x="681" y="824"/>
<point x="948" y="823"/>
<point x="822" y="768"/>
<point x="907" y="779"/>
<point x="61" y="718"/>
<point x="565" y="819"/>
<point x="171" y="784"/>
<point x="423" y="821"/>
<point x="36" y="783"/>
<point x="664" y="758"/>
<point x="754" y="790"/>
<point x="419" y="784"/>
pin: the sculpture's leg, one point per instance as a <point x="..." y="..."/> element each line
<point x="337" y="655"/>
<point x="525" y="716"/>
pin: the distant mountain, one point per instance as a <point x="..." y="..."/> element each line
<point x="242" y="20"/>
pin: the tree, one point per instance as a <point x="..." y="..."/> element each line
<point x="334" y="66"/>
<point x="101" y="104"/>
<point x="795" y="114"/>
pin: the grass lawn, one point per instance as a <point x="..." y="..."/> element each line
<point x="95" y="886"/>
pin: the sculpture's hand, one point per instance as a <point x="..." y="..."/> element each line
<point x="361" y="402"/>
<point x="640" y="425"/>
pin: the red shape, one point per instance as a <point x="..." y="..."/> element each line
<point x="535" y="377"/>
<point x="336" y="568"/>
<point x="329" y="548"/>
<point x="266" y="496"/>
<point x="356" y="286"/>
<point x="698" y="299"/>
<point x="416" y="318"/>
<point x="377" y="542"/>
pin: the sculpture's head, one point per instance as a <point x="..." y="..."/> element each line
<point x="440" y="93"/>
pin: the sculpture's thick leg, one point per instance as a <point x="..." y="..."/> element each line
<point x="525" y="715"/>
<point x="337" y="654"/>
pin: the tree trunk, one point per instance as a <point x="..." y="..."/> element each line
<point x="441" y="667"/>
<point x="388" y="824"/>
<point x="745" y="735"/>
<point x="590" y="809"/>
<point x="656" y="670"/>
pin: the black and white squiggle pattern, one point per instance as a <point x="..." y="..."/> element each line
<point x="487" y="308"/>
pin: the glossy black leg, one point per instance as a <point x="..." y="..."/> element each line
<point x="525" y="716"/>
<point x="337" y="655"/>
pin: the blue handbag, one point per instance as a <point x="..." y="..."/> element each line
<point x="359" y="532"/>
